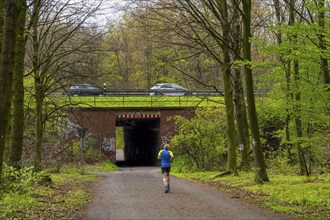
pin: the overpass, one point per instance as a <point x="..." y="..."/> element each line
<point x="145" y="128"/>
<point x="145" y="119"/>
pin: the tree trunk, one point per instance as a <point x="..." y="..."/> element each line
<point x="39" y="107"/>
<point x="322" y="43"/>
<point x="298" y="122"/>
<point x="259" y="160"/>
<point x="241" y="120"/>
<point x="240" y="109"/>
<point x="228" y="90"/>
<point x="38" y="91"/>
<point x="288" y="116"/>
<point x="2" y="22"/>
<point x="6" y="70"/>
<point x="297" y="93"/>
<point x="287" y="69"/>
<point x="220" y="11"/>
<point x="18" y="90"/>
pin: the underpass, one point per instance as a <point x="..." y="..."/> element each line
<point x="147" y="121"/>
<point x="144" y="130"/>
<point x="141" y="141"/>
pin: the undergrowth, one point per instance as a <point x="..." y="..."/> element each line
<point x="300" y="196"/>
<point x="25" y="195"/>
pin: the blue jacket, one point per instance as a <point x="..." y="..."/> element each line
<point x="165" y="158"/>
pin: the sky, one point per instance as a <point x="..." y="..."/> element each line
<point x="110" y="11"/>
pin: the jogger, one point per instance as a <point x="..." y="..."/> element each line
<point x="166" y="156"/>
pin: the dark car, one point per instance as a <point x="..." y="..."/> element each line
<point x="84" y="90"/>
<point x="168" y="89"/>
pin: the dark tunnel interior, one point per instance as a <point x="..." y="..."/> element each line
<point x="141" y="141"/>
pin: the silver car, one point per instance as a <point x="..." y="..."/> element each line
<point x="168" y="89"/>
<point x="85" y="90"/>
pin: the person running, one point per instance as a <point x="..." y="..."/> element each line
<point x="166" y="156"/>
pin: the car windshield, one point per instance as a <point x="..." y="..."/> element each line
<point x="83" y="86"/>
<point x="177" y="86"/>
<point x="167" y="86"/>
<point x="91" y="87"/>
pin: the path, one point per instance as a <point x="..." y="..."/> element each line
<point x="137" y="193"/>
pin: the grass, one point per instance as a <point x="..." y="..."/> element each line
<point x="301" y="196"/>
<point x="139" y="101"/>
<point x="68" y="192"/>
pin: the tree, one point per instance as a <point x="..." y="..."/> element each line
<point x="298" y="49"/>
<point x="6" y="69"/>
<point x="219" y="11"/>
<point x="259" y="161"/>
<point x="239" y="99"/>
<point x="322" y="41"/>
<point x="16" y="136"/>
<point x="58" y="34"/>
<point x="297" y="93"/>
<point x="208" y="25"/>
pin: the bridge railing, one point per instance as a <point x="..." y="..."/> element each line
<point x="141" y="92"/>
<point x="143" y="98"/>
<point x="140" y="101"/>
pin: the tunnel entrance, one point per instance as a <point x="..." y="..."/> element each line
<point x="141" y="141"/>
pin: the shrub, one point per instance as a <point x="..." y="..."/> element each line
<point x="201" y="140"/>
<point x="21" y="180"/>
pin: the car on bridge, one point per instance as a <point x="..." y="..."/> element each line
<point x="168" y="89"/>
<point x="85" y="90"/>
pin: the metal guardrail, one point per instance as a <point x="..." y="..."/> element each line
<point x="140" y="101"/>
<point x="143" y="98"/>
<point x="141" y="92"/>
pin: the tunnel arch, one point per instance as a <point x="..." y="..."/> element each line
<point x="141" y="141"/>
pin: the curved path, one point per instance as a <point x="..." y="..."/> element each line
<point x="137" y="193"/>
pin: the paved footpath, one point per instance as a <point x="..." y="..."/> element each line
<point x="137" y="193"/>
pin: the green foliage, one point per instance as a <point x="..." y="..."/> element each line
<point x="105" y="166"/>
<point x="179" y="165"/>
<point x="119" y="138"/>
<point x="13" y="203"/>
<point x="272" y="112"/>
<point x="92" y="156"/>
<point x="67" y="194"/>
<point x="76" y="199"/>
<point x="300" y="42"/>
<point x="21" y="180"/>
<point x="201" y="140"/>
<point x="303" y="197"/>
<point x="18" y="186"/>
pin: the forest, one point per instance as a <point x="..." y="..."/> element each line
<point x="280" y="47"/>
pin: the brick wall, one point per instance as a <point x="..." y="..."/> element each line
<point x="101" y="124"/>
<point x="167" y="126"/>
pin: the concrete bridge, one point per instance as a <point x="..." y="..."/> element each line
<point x="145" y="129"/>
